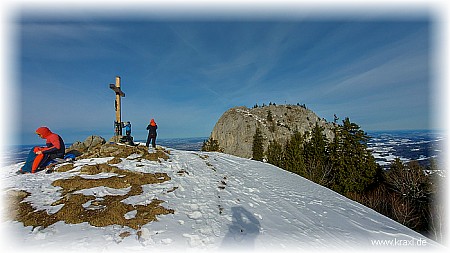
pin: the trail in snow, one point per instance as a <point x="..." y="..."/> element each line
<point x="221" y="202"/>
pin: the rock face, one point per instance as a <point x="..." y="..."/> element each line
<point x="236" y="127"/>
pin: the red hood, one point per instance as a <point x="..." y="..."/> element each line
<point x="152" y="122"/>
<point x="44" y="131"/>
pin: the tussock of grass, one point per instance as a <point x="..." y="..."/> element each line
<point x="64" y="168"/>
<point x="125" y="234"/>
<point x="115" y="160"/>
<point x="156" y="156"/>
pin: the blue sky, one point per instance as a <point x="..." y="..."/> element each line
<point x="186" y="73"/>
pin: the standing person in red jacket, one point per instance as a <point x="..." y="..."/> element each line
<point x="151" y="133"/>
<point x="39" y="156"/>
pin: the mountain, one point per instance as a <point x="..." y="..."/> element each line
<point x="235" y="128"/>
<point x="171" y="200"/>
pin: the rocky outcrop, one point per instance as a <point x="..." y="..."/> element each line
<point x="96" y="146"/>
<point x="236" y="127"/>
<point x="90" y="142"/>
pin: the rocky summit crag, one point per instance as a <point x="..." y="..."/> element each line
<point x="236" y="127"/>
<point x="96" y="147"/>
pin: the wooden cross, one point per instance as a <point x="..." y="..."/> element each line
<point x="117" y="105"/>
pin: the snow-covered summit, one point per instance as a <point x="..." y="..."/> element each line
<point x="219" y="202"/>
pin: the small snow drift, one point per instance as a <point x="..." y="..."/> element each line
<point x="208" y="201"/>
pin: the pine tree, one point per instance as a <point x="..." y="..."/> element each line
<point x="293" y="154"/>
<point x="271" y="122"/>
<point x="316" y="147"/>
<point x="354" y="166"/>
<point x="334" y="158"/>
<point x="275" y="154"/>
<point x="315" y="153"/>
<point x="269" y="116"/>
<point x="211" y="145"/>
<point x="258" y="148"/>
<point x="335" y="120"/>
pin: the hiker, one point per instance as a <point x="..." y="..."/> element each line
<point x="128" y="138"/>
<point x="151" y="133"/>
<point x="128" y="129"/>
<point x="39" y="157"/>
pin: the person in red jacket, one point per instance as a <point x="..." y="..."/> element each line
<point x="40" y="156"/>
<point x="151" y="133"/>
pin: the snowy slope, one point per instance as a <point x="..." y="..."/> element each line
<point x="221" y="202"/>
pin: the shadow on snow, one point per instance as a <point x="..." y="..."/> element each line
<point x="243" y="231"/>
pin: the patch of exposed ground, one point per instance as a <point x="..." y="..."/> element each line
<point x="97" y="211"/>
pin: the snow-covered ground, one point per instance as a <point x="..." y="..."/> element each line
<point x="407" y="145"/>
<point x="221" y="202"/>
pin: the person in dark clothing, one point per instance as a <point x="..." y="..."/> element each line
<point x="151" y="133"/>
<point x="128" y="129"/>
<point x="40" y="156"/>
<point x="128" y="138"/>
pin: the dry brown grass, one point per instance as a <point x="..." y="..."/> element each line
<point x="102" y="212"/>
<point x="115" y="160"/>
<point x="65" y="167"/>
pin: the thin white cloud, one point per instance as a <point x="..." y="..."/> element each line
<point x="67" y="40"/>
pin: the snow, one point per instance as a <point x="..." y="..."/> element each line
<point x="221" y="203"/>
<point x="247" y="113"/>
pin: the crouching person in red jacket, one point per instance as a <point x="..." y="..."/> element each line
<point x="40" y="156"/>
